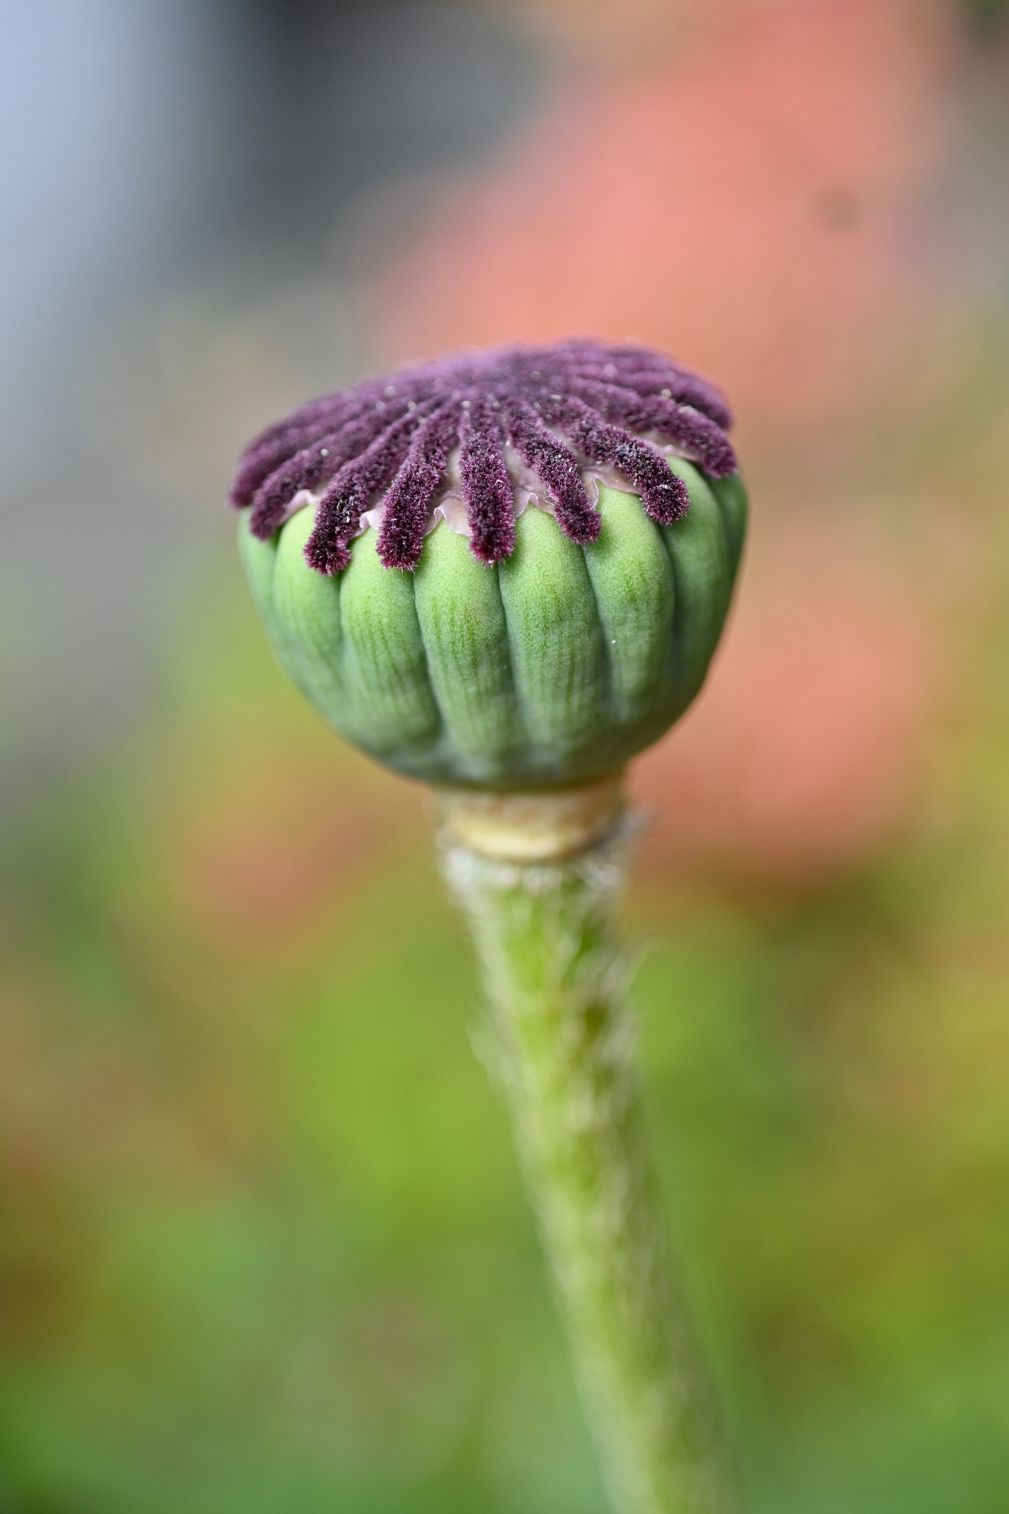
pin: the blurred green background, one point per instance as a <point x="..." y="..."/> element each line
<point x="262" y="1242"/>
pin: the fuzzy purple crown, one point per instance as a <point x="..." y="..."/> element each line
<point x="558" y="409"/>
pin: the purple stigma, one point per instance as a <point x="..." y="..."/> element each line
<point x="486" y="484"/>
<point x="480" y="423"/>
<point x="410" y="500"/>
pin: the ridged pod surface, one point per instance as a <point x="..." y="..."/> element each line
<point x="554" y="665"/>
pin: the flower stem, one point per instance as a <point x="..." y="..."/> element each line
<point x="556" y="977"/>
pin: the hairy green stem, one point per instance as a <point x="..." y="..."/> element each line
<point x="556" y="977"/>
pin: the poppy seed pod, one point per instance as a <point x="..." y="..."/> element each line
<point x="505" y="573"/>
<point x="503" y="570"/>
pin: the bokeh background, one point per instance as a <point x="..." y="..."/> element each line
<point x="262" y="1242"/>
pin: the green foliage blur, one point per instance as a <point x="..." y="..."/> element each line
<point x="265" y="1245"/>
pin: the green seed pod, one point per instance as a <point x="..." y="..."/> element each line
<point x="536" y="652"/>
<point x="506" y="574"/>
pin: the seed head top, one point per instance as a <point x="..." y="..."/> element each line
<point x="483" y="419"/>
